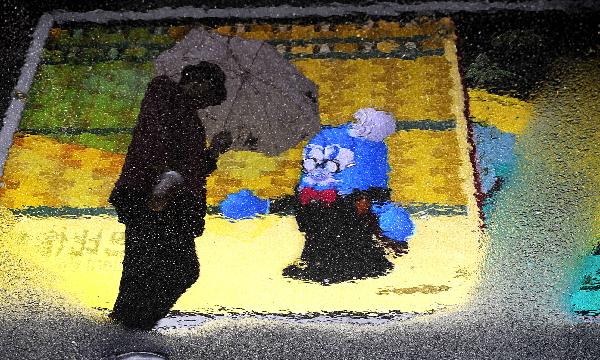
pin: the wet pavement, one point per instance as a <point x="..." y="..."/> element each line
<point x="520" y="311"/>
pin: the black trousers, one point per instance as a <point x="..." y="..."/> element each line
<point x="339" y="243"/>
<point x="159" y="265"/>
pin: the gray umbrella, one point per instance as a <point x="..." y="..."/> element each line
<point x="270" y="105"/>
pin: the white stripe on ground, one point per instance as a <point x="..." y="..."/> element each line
<point x="286" y="11"/>
<point x="12" y="116"/>
<point x="187" y="321"/>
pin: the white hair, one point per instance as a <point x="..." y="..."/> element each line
<point x="372" y="124"/>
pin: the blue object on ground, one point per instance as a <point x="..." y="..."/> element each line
<point x="495" y="154"/>
<point x="394" y="221"/>
<point x="244" y="205"/>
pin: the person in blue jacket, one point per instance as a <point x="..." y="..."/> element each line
<point x="342" y="203"/>
<point x="345" y="173"/>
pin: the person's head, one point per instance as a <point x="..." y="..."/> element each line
<point x="204" y="83"/>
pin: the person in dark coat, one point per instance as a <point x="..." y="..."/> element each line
<point x="160" y="195"/>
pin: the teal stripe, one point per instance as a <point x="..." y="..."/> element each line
<point x="437" y="210"/>
<point x="77" y="131"/>
<point x="72" y="212"/>
<point x="400" y="126"/>
<point x="351" y="40"/>
<point x="69" y="212"/>
<point x="121" y="46"/>
<point x="86" y="55"/>
<point x="397" y="54"/>
<point x="426" y="125"/>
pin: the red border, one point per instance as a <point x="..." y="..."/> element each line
<point x="479" y="195"/>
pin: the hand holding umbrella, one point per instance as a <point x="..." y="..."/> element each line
<point x="221" y="142"/>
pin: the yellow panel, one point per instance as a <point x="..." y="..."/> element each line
<point x="345" y="47"/>
<point x="269" y="177"/>
<point x="43" y="172"/>
<point x="379" y="29"/>
<point x="259" y="32"/>
<point x="504" y="112"/>
<point x="376" y="30"/>
<point x="308" y="49"/>
<point x="387" y="46"/>
<point x="224" y="30"/>
<point x="394" y="85"/>
<point x="432" y="43"/>
<point x="426" y="167"/>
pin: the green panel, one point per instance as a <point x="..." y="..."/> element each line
<point x="103" y="95"/>
<point x="115" y="143"/>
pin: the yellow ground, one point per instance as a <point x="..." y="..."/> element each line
<point x="504" y="112"/>
<point x="241" y="266"/>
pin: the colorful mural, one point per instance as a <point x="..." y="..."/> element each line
<point x="77" y="125"/>
<point x="423" y="194"/>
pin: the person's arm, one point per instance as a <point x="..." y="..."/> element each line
<point x="208" y="161"/>
<point x="219" y="144"/>
<point x="165" y="189"/>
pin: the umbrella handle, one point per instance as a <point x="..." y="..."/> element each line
<point x="226" y="127"/>
<point x="226" y="120"/>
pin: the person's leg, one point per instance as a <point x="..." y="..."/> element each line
<point x="154" y="278"/>
<point x="358" y="254"/>
<point x="159" y="266"/>
<point x="178" y="270"/>
<point x="160" y="263"/>
<point x="136" y="284"/>
<point x="346" y="246"/>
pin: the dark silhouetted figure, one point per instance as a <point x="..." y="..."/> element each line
<point x="160" y="195"/>
<point x="340" y="244"/>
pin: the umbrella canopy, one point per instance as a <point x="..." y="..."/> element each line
<point x="270" y="105"/>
